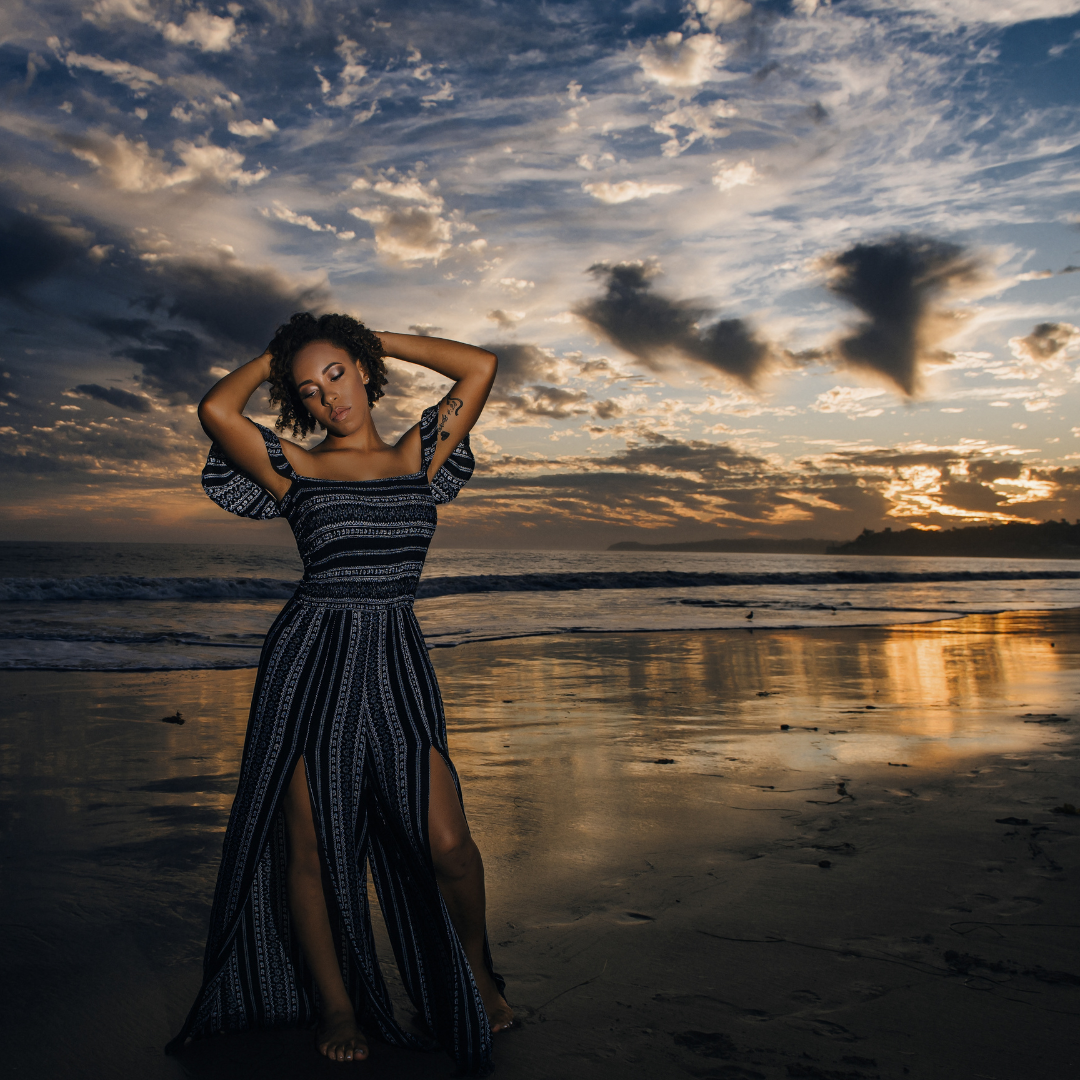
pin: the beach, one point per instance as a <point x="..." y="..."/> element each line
<point x="787" y="853"/>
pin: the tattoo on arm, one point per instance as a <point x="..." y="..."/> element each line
<point x="452" y="406"/>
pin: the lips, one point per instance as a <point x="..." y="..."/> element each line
<point x="339" y="414"/>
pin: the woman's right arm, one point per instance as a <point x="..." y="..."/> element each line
<point x="221" y="414"/>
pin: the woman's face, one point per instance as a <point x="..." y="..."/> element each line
<point x="331" y="384"/>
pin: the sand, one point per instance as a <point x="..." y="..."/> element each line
<point x="678" y="886"/>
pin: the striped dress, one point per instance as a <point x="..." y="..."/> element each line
<point x="344" y="680"/>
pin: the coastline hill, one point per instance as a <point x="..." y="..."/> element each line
<point x="1016" y="540"/>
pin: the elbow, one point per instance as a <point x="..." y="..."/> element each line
<point x="491" y="365"/>
<point x="209" y="416"/>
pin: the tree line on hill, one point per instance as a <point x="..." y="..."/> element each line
<point x="1016" y="540"/>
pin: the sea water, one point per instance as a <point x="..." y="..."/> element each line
<point x="154" y="607"/>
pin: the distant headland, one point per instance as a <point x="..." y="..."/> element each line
<point x="1016" y="540"/>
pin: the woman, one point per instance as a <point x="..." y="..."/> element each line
<point x="345" y="762"/>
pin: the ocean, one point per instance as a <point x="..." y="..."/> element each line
<point x="167" y="607"/>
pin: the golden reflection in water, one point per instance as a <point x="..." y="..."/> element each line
<point x="932" y="691"/>
<point x="535" y="719"/>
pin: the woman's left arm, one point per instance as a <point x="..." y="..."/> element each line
<point x="473" y="371"/>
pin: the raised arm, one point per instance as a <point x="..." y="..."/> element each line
<point x="221" y="413"/>
<point x="473" y="371"/>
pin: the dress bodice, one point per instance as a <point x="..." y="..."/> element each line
<point x="360" y="540"/>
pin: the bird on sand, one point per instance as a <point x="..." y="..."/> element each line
<point x="751" y="615"/>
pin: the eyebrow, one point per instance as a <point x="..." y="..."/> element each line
<point x="324" y="371"/>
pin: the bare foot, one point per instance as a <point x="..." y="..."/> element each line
<point x="500" y="1015"/>
<point x="340" y="1039"/>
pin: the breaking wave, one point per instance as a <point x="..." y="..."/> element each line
<point x="245" y="588"/>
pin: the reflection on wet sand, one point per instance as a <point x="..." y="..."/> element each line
<point x="643" y="801"/>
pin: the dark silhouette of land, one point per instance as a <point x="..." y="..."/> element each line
<point x="1016" y="540"/>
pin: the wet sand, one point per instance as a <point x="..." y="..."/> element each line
<point x="678" y="886"/>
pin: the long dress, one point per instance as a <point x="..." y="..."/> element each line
<point x="344" y="680"/>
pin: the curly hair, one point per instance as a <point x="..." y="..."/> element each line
<point x="302" y="329"/>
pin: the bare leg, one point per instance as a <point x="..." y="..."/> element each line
<point x="339" y="1037"/>
<point x="460" y="872"/>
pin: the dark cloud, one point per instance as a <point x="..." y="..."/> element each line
<point x="31" y="250"/>
<point x="121" y="328"/>
<point x="240" y="304"/>
<point x="669" y="488"/>
<point x="1045" y="341"/>
<point x="972" y="496"/>
<point x="607" y="409"/>
<point x="525" y="386"/>
<point x="504" y="320"/>
<point x="898" y="284"/>
<point x="222" y="306"/>
<point x="652" y="326"/>
<point x="521" y="364"/>
<point x="177" y="362"/>
<point x="113" y="395"/>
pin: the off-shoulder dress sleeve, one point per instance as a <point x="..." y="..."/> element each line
<point x="237" y="492"/>
<point x="455" y="473"/>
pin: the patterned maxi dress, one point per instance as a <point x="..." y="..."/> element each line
<point x="344" y="680"/>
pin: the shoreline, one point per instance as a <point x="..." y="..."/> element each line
<point x="654" y="811"/>
<point x="934" y="617"/>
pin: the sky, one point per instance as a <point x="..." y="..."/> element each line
<point x="783" y="268"/>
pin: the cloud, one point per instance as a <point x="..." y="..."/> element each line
<point x="520" y="364"/>
<point x="505" y="320"/>
<point x="350" y="77"/>
<point x="135" y="78"/>
<point x="976" y="11"/>
<point x="242" y="304"/>
<point x="899" y="283"/>
<point x="1047" y="344"/>
<point x="525" y="389"/>
<point x="680" y="63"/>
<point x="177" y="362"/>
<point x="248" y="129"/>
<point x="625" y="190"/>
<point x="31" y="250"/>
<point x="699" y="121"/>
<point x="133" y="166"/>
<point x="225" y="309"/>
<point x="658" y="482"/>
<point x="444" y="93"/>
<point x="714" y="13"/>
<point x="412" y="234"/>
<point x="732" y="176"/>
<point x="651" y="326"/>
<point x="280" y="212"/>
<point x="211" y="33"/>
<point x="113" y="395"/>
<point x="409" y="234"/>
<point x="852" y="401"/>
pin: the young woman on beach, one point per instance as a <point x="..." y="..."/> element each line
<point x="345" y="763"/>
